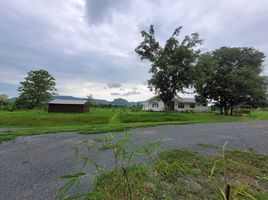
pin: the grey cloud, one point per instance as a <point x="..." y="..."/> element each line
<point x="144" y="83"/>
<point x="114" y="85"/>
<point x="115" y="94"/>
<point x="125" y="94"/>
<point x="31" y="39"/>
<point x="99" y="11"/>
<point x="130" y="93"/>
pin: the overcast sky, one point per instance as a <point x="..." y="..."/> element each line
<point x="88" y="45"/>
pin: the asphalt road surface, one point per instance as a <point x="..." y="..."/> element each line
<point x="31" y="166"/>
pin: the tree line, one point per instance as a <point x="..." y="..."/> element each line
<point x="226" y="76"/>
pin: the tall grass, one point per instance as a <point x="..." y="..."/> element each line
<point x="172" y="174"/>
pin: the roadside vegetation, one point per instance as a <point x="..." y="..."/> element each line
<point x="181" y="174"/>
<point x="101" y="120"/>
<point x="171" y="174"/>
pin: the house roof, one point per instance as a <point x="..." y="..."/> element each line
<point x="70" y="102"/>
<point x="242" y="105"/>
<point x="185" y="100"/>
<point x="178" y="98"/>
<point x="156" y="97"/>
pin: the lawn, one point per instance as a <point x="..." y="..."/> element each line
<point x="101" y="120"/>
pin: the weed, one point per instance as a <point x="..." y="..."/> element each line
<point x="122" y="179"/>
<point x="170" y="174"/>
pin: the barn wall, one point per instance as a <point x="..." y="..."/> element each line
<point x="67" y="108"/>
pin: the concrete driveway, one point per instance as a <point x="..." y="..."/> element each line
<point x="31" y="166"/>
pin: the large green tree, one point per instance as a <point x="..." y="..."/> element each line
<point x="172" y="66"/>
<point x="229" y="76"/>
<point x="36" y="90"/>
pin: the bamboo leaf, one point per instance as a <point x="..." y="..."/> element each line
<point x="222" y="194"/>
<point x="73" y="176"/>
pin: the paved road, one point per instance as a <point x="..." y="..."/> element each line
<point x="31" y="166"/>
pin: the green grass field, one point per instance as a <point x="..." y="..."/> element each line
<point x="101" y="120"/>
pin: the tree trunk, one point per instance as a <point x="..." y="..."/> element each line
<point x="221" y="110"/>
<point x="232" y="111"/>
<point x="168" y="107"/>
<point x="226" y="111"/>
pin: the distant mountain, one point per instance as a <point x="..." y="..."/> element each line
<point x="13" y="99"/>
<point x="67" y="98"/>
<point x="101" y="102"/>
<point x="123" y="102"/>
<point x="120" y="102"/>
<point x="115" y="102"/>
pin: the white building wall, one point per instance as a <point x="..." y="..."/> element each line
<point x="150" y="106"/>
<point x="201" y="108"/>
<point x="198" y="107"/>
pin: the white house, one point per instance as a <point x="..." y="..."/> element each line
<point x="179" y="104"/>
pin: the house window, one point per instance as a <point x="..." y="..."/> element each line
<point x="155" y="105"/>
<point x="192" y="105"/>
<point x="180" y="105"/>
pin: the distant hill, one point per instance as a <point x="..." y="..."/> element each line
<point x="67" y="98"/>
<point x="123" y="102"/>
<point x="115" y="102"/>
<point x="13" y="99"/>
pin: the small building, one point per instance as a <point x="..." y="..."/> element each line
<point x="179" y="104"/>
<point x="68" y="106"/>
<point x="241" y="108"/>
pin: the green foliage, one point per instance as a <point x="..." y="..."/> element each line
<point x="89" y="99"/>
<point x="230" y="76"/>
<point x="3" y="101"/>
<point x="123" y="182"/>
<point x="224" y="161"/>
<point x="173" y="174"/>
<point x="261" y="196"/>
<point x="172" y="65"/>
<point x="36" y="90"/>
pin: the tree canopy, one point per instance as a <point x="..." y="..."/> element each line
<point x="172" y="66"/>
<point x="230" y="76"/>
<point x="89" y="99"/>
<point x="36" y="90"/>
<point x="3" y="100"/>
